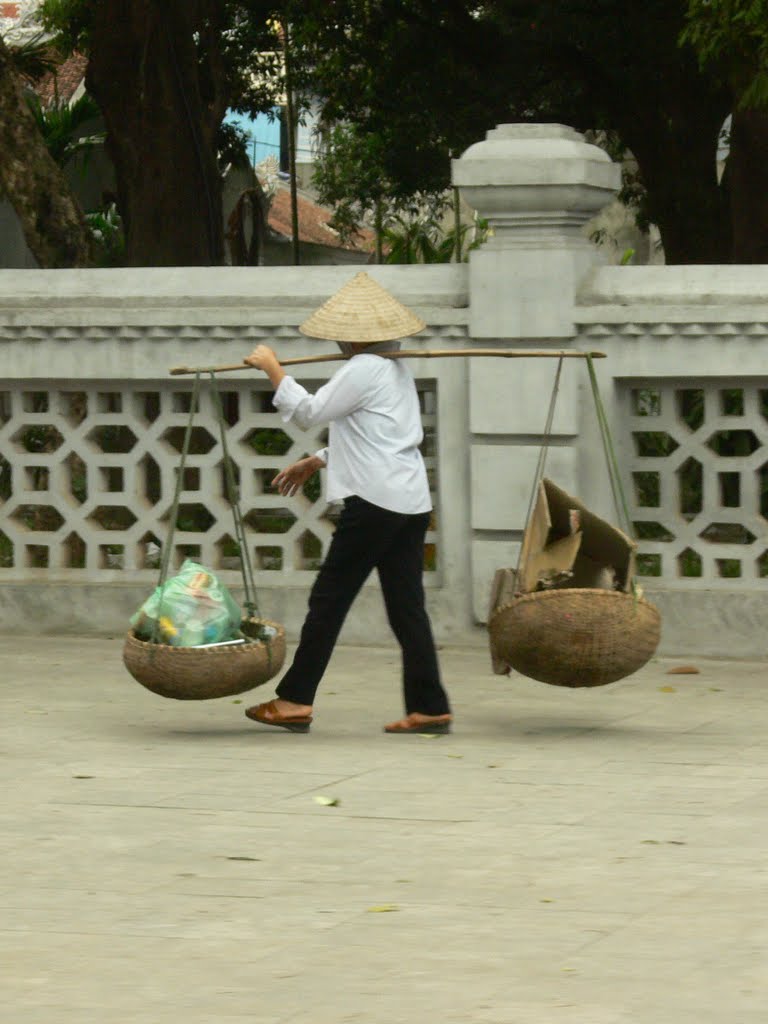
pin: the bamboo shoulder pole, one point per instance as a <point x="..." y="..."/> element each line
<point x="500" y="353"/>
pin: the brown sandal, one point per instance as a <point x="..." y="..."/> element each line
<point x="439" y="725"/>
<point x="268" y="714"/>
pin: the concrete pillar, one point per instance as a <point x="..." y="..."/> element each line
<point x="537" y="185"/>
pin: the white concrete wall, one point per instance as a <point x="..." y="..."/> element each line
<point x="537" y="284"/>
<point x="673" y="330"/>
<point x="109" y="337"/>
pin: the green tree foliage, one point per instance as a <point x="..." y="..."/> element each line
<point x="427" y="78"/>
<point x="108" y="237"/>
<point x="33" y="58"/>
<point x="422" y="237"/>
<point x="404" y="83"/>
<point x="731" y="39"/>
<point x="234" y="39"/>
<point x="406" y="80"/>
<point x="349" y="175"/>
<point x="417" y="239"/>
<point x="61" y="125"/>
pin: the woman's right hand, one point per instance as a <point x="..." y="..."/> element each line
<point x="263" y="358"/>
<point x="289" y="480"/>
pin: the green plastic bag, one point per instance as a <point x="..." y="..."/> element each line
<point x="189" y="610"/>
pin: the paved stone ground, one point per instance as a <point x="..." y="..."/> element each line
<point x="586" y="857"/>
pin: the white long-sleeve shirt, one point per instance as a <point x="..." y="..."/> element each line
<point x="375" y="431"/>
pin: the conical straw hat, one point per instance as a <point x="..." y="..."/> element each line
<point x="362" y="311"/>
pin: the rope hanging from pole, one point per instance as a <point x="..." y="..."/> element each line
<point x="542" y="460"/>
<point x="233" y="497"/>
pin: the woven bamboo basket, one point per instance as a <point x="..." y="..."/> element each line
<point x="576" y="638"/>
<point x="204" y="673"/>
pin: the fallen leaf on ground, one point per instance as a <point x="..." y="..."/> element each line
<point x="237" y="702"/>
<point x="683" y="670"/>
<point x="327" y="801"/>
<point x="385" y="908"/>
<point x="455" y="755"/>
<point x="82" y="776"/>
<point x="667" y="689"/>
<point x="243" y="858"/>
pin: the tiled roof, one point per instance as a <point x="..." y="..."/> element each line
<point x="64" y="82"/>
<point x="314" y="224"/>
<point x="18" y="20"/>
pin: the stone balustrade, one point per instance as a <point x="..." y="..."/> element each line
<point x="90" y="420"/>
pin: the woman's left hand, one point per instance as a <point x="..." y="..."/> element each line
<point x="289" y="480"/>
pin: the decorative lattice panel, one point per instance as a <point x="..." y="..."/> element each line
<point x="697" y="461"/>
<point x="88" y="471"/>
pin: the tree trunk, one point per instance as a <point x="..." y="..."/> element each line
<point x="676" y="152"/>
<point x="146" y="74"/>
<point x="51" y="219"/>
<point x="687" y="205"/>
<point x="747" y="185"/>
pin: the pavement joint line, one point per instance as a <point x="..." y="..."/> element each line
<point x="264" y="810"/>
<point x="330" y="785"/>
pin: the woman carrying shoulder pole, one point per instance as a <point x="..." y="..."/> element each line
<point x="375" y="467"/>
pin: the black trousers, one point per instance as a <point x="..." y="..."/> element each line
<point x="368" y="537"/>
